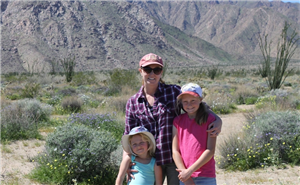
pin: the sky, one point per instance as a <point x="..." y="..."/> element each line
<point x="291" y="1"/>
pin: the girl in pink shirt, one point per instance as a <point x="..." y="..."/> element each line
<point x="192" y="148"/>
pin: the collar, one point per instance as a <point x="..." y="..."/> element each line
<point x="159" y="89"/>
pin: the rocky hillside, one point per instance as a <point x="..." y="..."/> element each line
<point x="102" y="35"/>
<point x="106" y="35"/>
<point x="231" y="25"/>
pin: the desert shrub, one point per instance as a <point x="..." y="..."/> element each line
<point x="277" y="72"/>
<point x="20" y="120"/>
<point x="221" y="103"/>
<point x="213" y="72"/>
<point x="246" y="96"/>
<point x="266" y="101"/>
<point x="77" y="152"/>
<point x="246" y="100"/>
<point x="67" y="92"/>
<point x="236" y="72"/>
<point x="54" y="100"/>
<point x="84" y="78"/>
<point x="250" y="100"/>
<point x="15" y="77"/>
<point x="30" y="90"/>
<point x="4" y="102"/>
<point x="118" y="104"/>
<point x="89" y="101"/>
<point x="14" y="96"/>
<point x="296" y="104"/>
<point x="268" y="139"/>
<point x="119" y="78"/>
<point x="274" y="100"/>
<point x="99" y="122"/>
<point x="68" y="65"/>
<point x="71" y="104"/>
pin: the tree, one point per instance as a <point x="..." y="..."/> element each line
<point x="286" y="47"/>
<point x="68" y="67"/>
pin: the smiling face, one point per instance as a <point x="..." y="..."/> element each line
<point x="190" y="104"/>
<point x="139" y="146"/>
<point x="150" y="78"/>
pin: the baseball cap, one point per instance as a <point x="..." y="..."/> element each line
<point x="134" y="131"/>
<point x="151" y="58"/>
<point x="192" y="89"/>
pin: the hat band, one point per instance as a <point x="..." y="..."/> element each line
<point x="191" y="93"/>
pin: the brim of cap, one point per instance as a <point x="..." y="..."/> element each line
<point x="126" y="144"/>
<point x="151" y="62"/>
<point x="188" y="92"/>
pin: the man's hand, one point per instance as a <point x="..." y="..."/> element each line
<point x="129" y="172"/>
<point x="214" y="128"/>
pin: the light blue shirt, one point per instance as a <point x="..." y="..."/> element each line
<point x="146" y="175"/>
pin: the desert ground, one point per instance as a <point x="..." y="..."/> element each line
<point x="17" y="160"/>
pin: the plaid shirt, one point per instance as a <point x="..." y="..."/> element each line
<point x="159" y="122"/>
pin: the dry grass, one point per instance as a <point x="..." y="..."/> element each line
<point x="15" y="156"/>
<point x="268" y="176"/>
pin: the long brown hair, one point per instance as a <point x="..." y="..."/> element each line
<point x="202" y="114"/>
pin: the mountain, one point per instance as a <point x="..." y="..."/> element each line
<point x="234" y="26"/>
<point x="101" y="35"/>
<point x="116" y="34"/>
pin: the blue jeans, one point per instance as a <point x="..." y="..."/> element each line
<point x="203" y="181"/>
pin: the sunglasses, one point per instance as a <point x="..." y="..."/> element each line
<point x="156" y="70"/>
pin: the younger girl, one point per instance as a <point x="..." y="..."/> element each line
<point x="141" y="145"/>
<point x="192" y="148"/>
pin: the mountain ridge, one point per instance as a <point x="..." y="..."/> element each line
<point x="107" y="35"/>
<point x="233" y="26"/>
<point x="102" y="35"/>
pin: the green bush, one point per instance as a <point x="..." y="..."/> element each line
<point x="221" y="103"/>
<point x="54" y="100"/>
<point x="14" y="96"/>
<point x="246" y="96"/>
<point x="21" y="119"/>
<point x="297" y="104"/>
<point x="213" y="72"/>
<point x="84" y="78"/>
<point x="250" y="100"/>
<point x="266" y="101"/>
<point x="88" y="101"/>
<point x="268" y="139"/>
<point x="14" y="77"/>
<point x="77" y="152"/>
<point x="99" y="122"/>
<point x="30" y="90"/>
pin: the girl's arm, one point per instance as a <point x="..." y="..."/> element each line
<point x="178" y="159"/>
<point x="175" y="150"/>
<point x="158" y="175"/>
<point x="205" y="156"/>
<point x="123" y="169"/>
<point x="216" y="126"/>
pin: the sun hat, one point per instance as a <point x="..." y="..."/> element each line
<point x="151" y="58"/>
<point x="192" y="89"/>
<point x="134" y="131"/>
